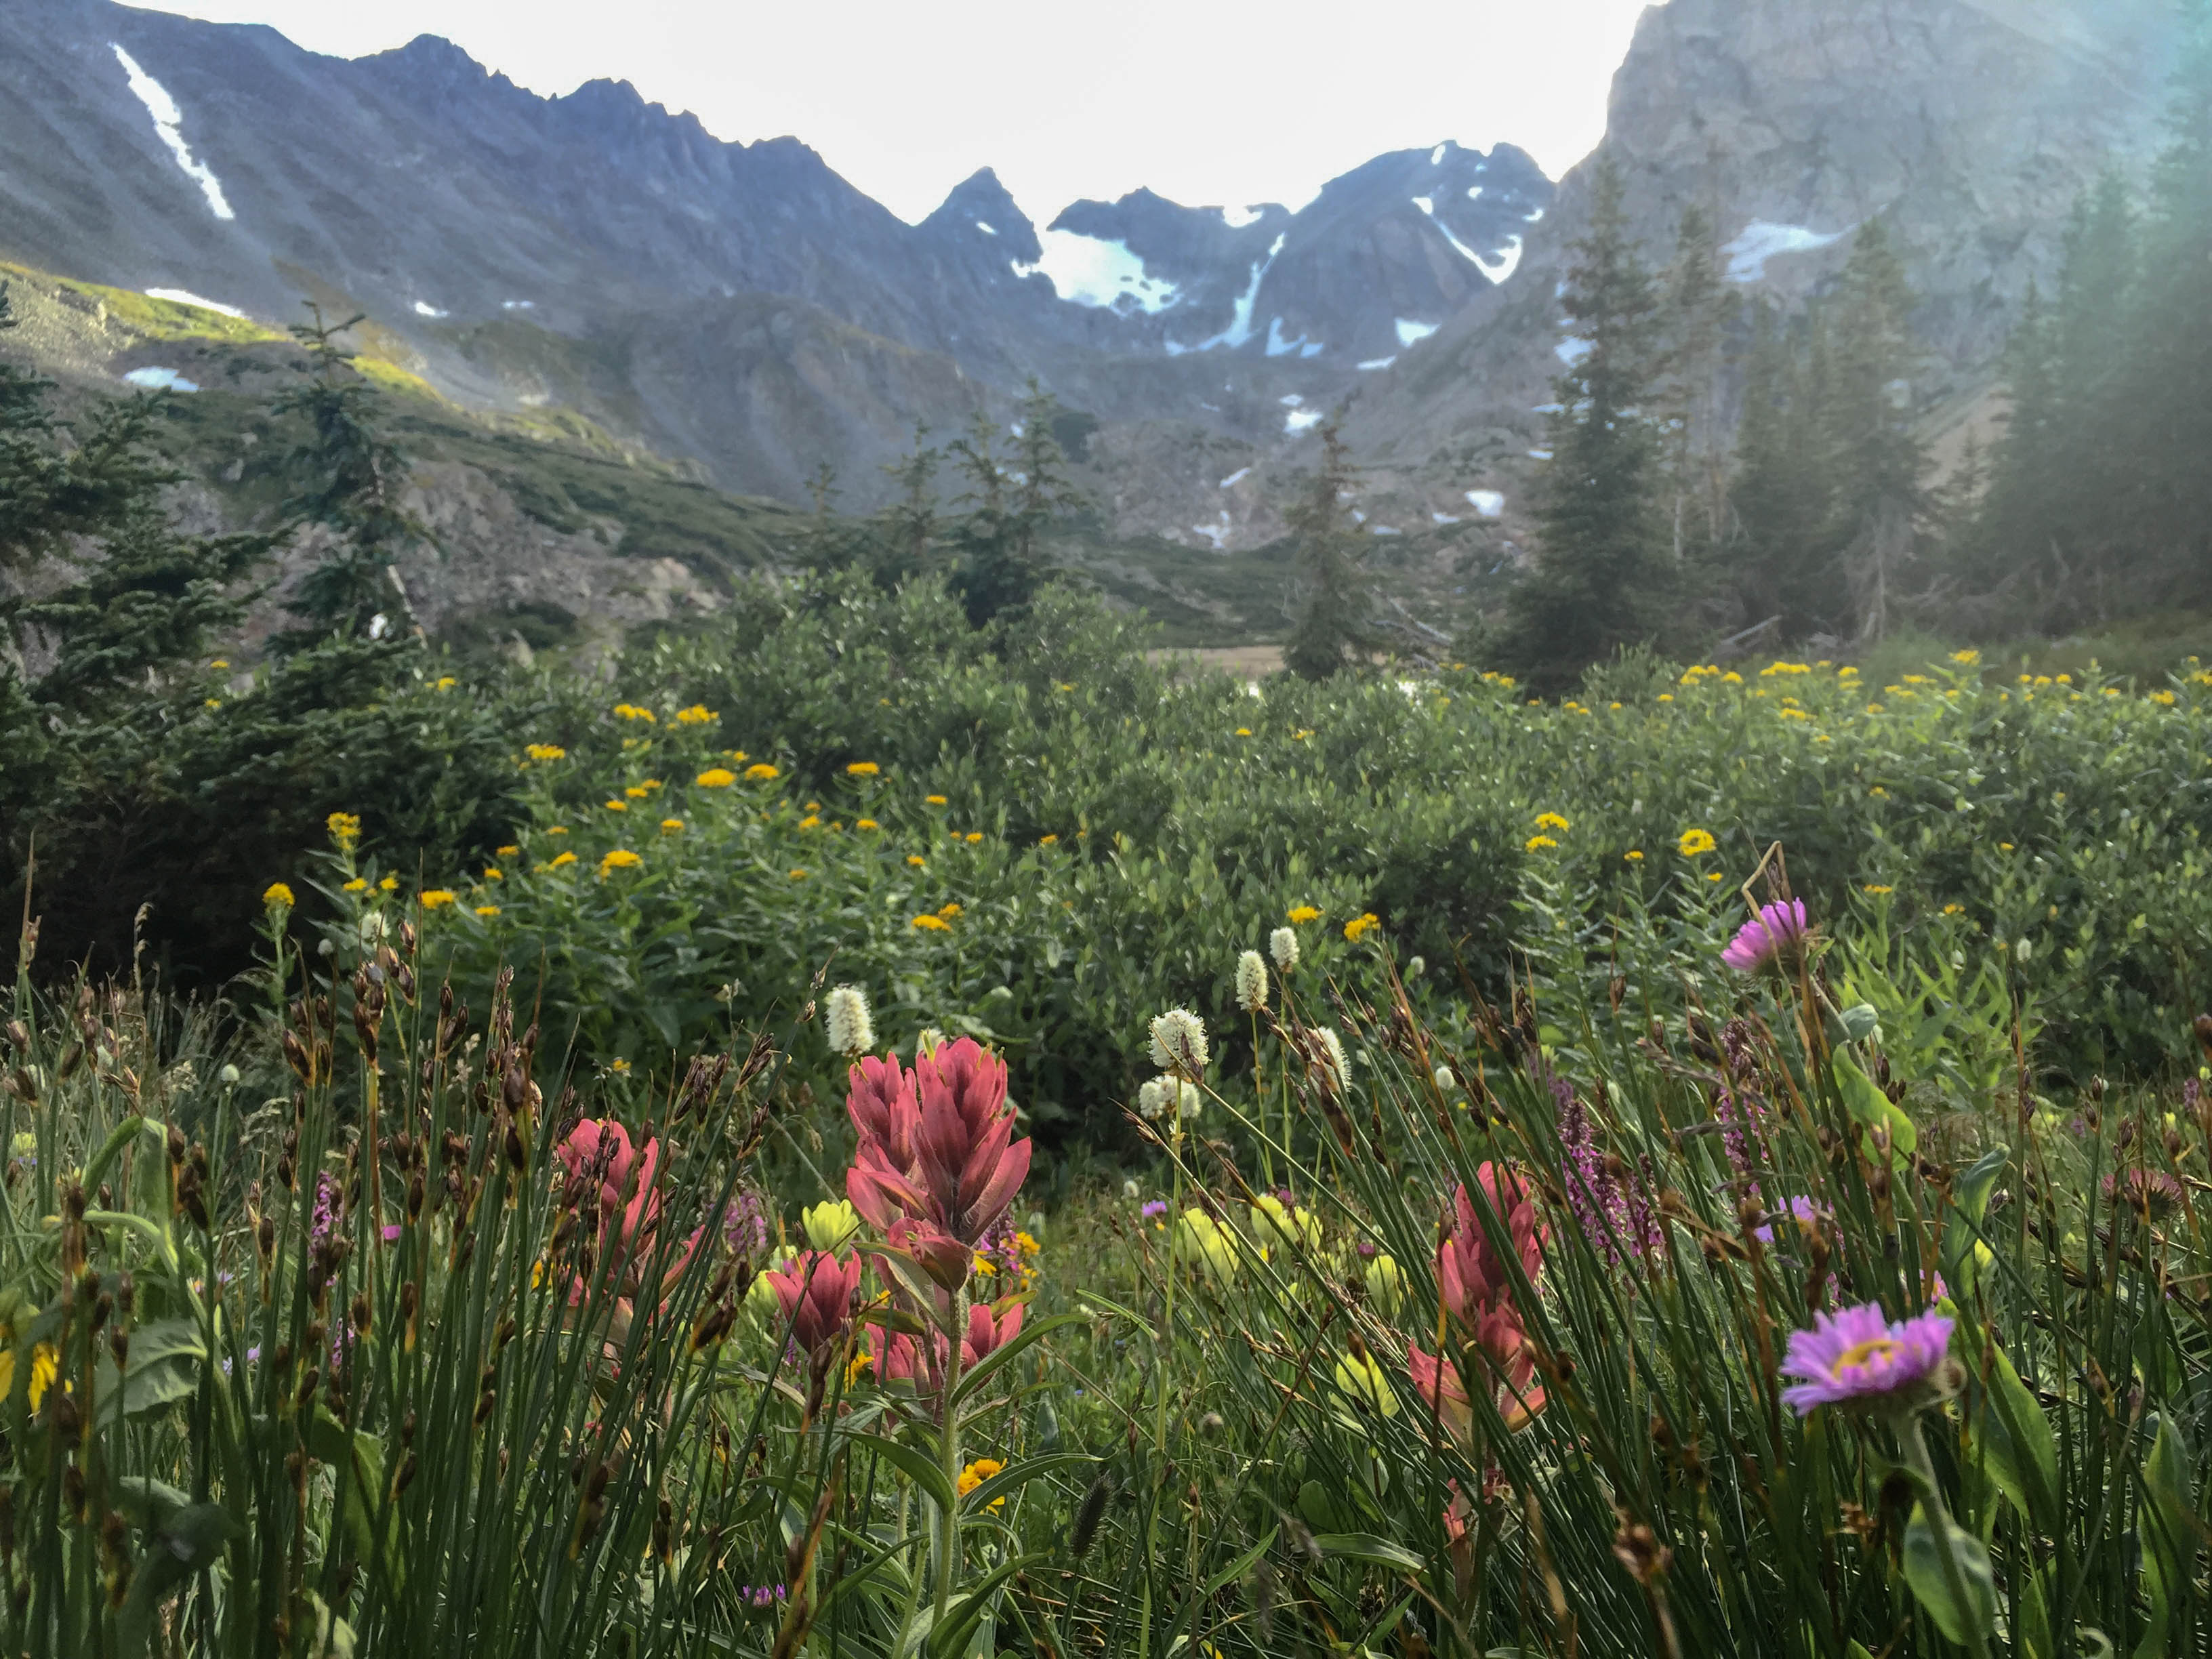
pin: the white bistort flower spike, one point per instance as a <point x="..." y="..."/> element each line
<point x="852" y="1029"/>
<point x="1179" y="1043"/>
<point x="1151" y="1100"/>
<point x="1283" y="945"/>
<point x="1335" y="1062"/>
<point x="1192" y="1102"/>
<point x="1251" y="982"/>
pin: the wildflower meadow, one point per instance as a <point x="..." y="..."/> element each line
<point x="903" y="1154"/>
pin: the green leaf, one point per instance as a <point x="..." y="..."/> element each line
<point x="922" y="1471"/>
<point x="184" y="1539"/>
<point x="163" y="1368"/>
<point x="1867" y="1105"/>
<point x="1859" y="1021"/>
<point x="989" y="1366"/>
<point x="962" y="1617"/>
<point x="1365" y="1546"/>
<point x="1970" y="1191"/>
<point x="1925" y="1571"/>
<point x="2018" y="1449"/>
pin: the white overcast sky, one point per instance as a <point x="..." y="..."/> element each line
<point x="1209" y="102"/>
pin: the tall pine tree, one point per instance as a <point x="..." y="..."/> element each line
<point x="1880" y="478"/>
<point x="1331" y="630"/>
<point x="1603" y="577"/>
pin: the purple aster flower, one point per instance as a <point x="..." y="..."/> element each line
<point x="1155" y="1208"/>
<point x="323" y="1224"/>
<point x="1763" y="938"/>
<point x="1808" y="1216"/>
<point x="1856" y="1357"/>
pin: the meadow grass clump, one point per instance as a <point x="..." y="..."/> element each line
<point x="1660" y="1313"/>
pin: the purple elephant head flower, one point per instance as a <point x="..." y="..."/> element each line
<point x="1775" y="928"/>
<point x="1858" y="1359"/>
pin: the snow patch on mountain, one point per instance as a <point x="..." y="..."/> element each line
<point x="424" y="308"/>
<point x="1508" y="262"/>
<point x="1298" y="420"/>
<point x="1490" y="503"/>
<point x="168" y="127"/>
<point x="1238" y="217"/>
<point x="185" y="296"/>
<point x="1239" y="332"/>
<point x="1572" y="350"/>
<point x="1236" y="478"/>
<point x="1437" y="155"/>
<point x="1088" y="271"/>
<point x="1762" y="240"/>
<point x="1380" y="362"/>
<point x="1411" y="333"/>
<point x="159" y="379"/>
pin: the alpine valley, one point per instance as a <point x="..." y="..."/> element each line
<point x="623" y="345"/>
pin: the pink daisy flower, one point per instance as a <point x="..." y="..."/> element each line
<point x="1856" y="1357"/>
<point x="1761" y="939"/>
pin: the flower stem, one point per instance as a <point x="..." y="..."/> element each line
<point x="1167" y="1328"/>
<point x="948" y="1438"/>
<point x="1915" y="1452"/>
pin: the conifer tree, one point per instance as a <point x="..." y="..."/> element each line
<point x="1698" y="311"/>
<point x="1333" y="629"/>
<point x="1010" y="500"/>
<point x="906" y="532"/>
<point x="1602" y="575"/>
<point x="351" y="477"/>
<point x="826" y="543"/>
<point x="1882" y="464"/>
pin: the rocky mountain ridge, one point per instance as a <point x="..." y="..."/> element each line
<point x="742" y="309"/>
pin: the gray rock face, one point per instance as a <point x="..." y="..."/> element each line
<point x="1969" y="127"/>
<point x="741" y="305"/>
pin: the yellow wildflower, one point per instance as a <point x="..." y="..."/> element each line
<point x="977" y="1473"/>
<point x="557" y="829"/>
<point x="671" y="826"/>
<point x="446" y="682"/>
<point x="618" y="806"/>
<point x="432" y="899"/>
<point x="509" y="852"/>
<point x="1965" y="658"/>
<point x="1954" y="909"/>
<point x="761" y="772"/>
<point x="1243" y="731"/>
<point x="697" y="714"/>
<point x="810" y="822"/>
<point x="1666" y="697"/>
<point x="46" y="1366"/>
<point x="975" y="835"/>
<point x="1303" y="913"/>
<point x="1692" y="842"/>
<point x="358" y="884"/>
<point x="565" y="858"/>
<point x="493" y="872"/>
<point x="1048" y="841"/>
<point x="1633" y="856"/>
<point x="863" y="769"/>
<point x="917" y="861"/>
<point x="638" y="791"/>
<point x="1731" y="678"/>
<point x="2164" y="698"/>
<point x="931" y="924"/>
<point x="935" y="800"/>
<point x="799" y="875"/>
<point x="715" y="777"/>
<point x="620" y="859"/>
<point x="1540" y="843"/>
<point x="1794" y="714"/>
<point x="951" y="910"/>
<point x="487" y="910"/>
<point x="344" y="827"/>
<point x="214" y="702"/>
<point x="1552" y="821"/>
<point x="1876" y="889"/>
<point x="631" y="711"/>
<point x="220" y="662"/>
<point x="279" y="897"/>
<point x="1359" y="926"/>
<point x="390" y="883"/>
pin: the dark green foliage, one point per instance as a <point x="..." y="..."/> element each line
<point x="350" y="476"/>
<point x="146" y="778"/>
<point x="1602" y="578"/>
<point x="1332" y="630"/>
<point x="1011" y="500"/>
<point x="2097" y="501"/>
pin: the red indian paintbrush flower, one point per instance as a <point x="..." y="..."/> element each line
<point x="815" y="1292"/>
<point x="1501" y="1350"/>
<point x="1470" y="1275"/>
<point x="986" y="1334"/>
<point x="599" y="1151"/>
<point x="936" y="1147"/>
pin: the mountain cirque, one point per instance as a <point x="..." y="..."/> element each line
<point x="742" y="309"/>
